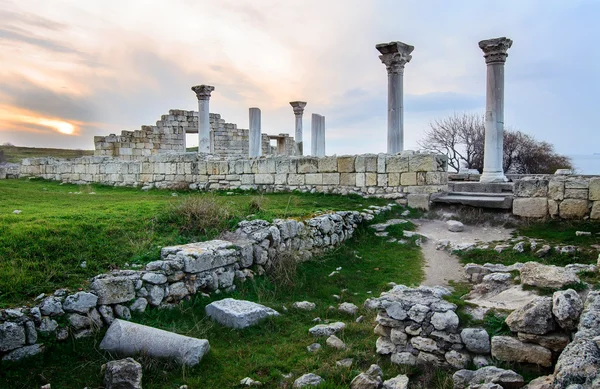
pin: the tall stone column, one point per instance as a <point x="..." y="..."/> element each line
<point x="298" y="107"/>
<point x="394" y="56"/>
<point x="317" y="139"/>
<point x="321" y="137"/>
<point x="203" y="94"/>
<point x="254" y="138"/>
<point x="495" y="53"/>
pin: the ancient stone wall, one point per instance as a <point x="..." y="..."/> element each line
<point x="166" y="136"/>
<point x="410" y="175"/>
<point x="557" y="196"/>
<point x="182" y="271"/>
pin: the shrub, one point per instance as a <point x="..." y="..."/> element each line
<point x="256" y="204"/>
<point x="199" y="215"/>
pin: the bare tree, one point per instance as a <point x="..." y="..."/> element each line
<point x="462" y="139"/>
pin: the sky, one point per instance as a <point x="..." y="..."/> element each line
<point x="72" y="70"/>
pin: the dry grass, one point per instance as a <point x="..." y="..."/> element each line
<point x="282" y="270"/>
<point x="199" y="215"/>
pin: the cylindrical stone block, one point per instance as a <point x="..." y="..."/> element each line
<point x="129" y="339"/>
<point x="315" y="123"/>
<point x="203" y="126"/>
<point x="395" y="143"/>
<point x="254" y="147"/>
<point x="321" y="137"/>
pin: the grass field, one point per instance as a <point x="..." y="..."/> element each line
<point x="16" y="153"/>
<point x="273" y="348"/>
<point x="62" y="226"/>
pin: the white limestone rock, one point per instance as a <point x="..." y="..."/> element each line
<point x="458" y="360"/>
<point x="309" y="379"/>
<point x="304" y="305"/>
<point x="12" y="336"/>
<point x="327" y="329"/>
<point x="51" y="306"/>
<point x="384" y="346"/>
<point x="123" y="374"/>
<point x="455" y="226"/>
<point x="398" y="382"/>
<point x="348" y="308"/>
<point x="23" y="352"/>
<point x="509" y="349"/>
<point x="445" y="321"/>
<point x="476" y="340"/>
<point x="487" y="375"/>
<point x="250" y="382"/>
<point x="566" y="308"/>
<point x="113" y="290"/>
<point x="545" y="276"/>
<point x="238" y="313"/>
<point x="313" y="348"/>
<point x="534" y="318"/>
<point x="335" y="342"/>
<point x="404" y="358"/>
<point x="139" y="305"/>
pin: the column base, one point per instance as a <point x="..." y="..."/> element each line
<point x="493" y="177"/>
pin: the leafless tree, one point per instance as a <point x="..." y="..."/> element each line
<point x="462" y="139"/>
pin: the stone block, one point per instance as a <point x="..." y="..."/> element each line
<point x="366" y="163"/>
<point x="348" y="179"/>
<point x="407" y="179"/>
<point x="280" y="179"/>
<point x="128" y="338"/>
<point x="531" y="187"/>
<point x="509" y="349"/>
<point x="238" y="313"/>
<point x="595" y="214"/>
<point x="314" y="179"/>
<point x="370" y="179"/>
<point x="576" y="194"/>
<point x="418" y="201"/>
<point x="577" y="183"/>
<point x="247" y="179"/>
<point x="573" y="208"/>
<point x="382" y="180"/>
<point x="421" y="178"/>
<point x="436" y="178"/>
<point x="345" y="164"/>
<point x="360" y="180"/>
<point x="113" y="290"/>
<point x="530" y="207"/>
<point x="286" y="166"/>
<point x="331" y="179"/>
<point x="327" y="164"/>
<point x="266" y="166"/>
<point x="12" y="336"/>
<point x="381" y="163"/>
<point x="308" y="165"/>
<point x="422" y="163"/>
<point x="424" y="189"/>
<point x="594" y="189"/>
<point x="264" y="179"/>
<point x="296" y="179"/>
<point x="393" y="179"/>
<point x="123" y="374"/>
<point x="397" y="163"/>
<point x="553" y="208"/>
<point x="80" y="302"/>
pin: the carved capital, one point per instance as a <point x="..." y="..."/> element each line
<point x="495" y="50"/>
<point x="203" y="91"/>
<point x="395" y="55"/>
<point x="298" y="107"/>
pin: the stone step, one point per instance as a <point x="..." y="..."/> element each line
<point x="479" y="187"/>
<point x="475" y="199"/>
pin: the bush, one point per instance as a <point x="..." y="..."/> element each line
<point x="256" y="204"/>
<point x="199" y="215"/>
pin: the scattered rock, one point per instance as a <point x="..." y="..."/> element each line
<point x="583" y="233"/>
<point x="313" y="348"/>
<point x="458" y="360"/>
<point x="250" y="382"/>
<point x="326" y="329"/>
<point x="544" y="382"/>
<point x="309" y="379"/>
<point x="546" y="276"/>
<point x="51" y="306"/>
<point x="238" y="313"/>
<point x="371" y="379"/>
<point x="346" y="362"/>
<point x="359" y="319"/>
<point x="23" y="352"/>
<point x="519" y="247"/>
<point x="398" y="382"/>
<point x="123" y="374"/>
<point x="348" y="308"/>
<point x="476" y="340"/>
<point x="17" y="211"/>
<point x="139" y="305"/>
<point x="544" y="251"/>
<point x="304" y="305"/>
<point x="335" y="342"/>
<point x="455" y="226"/>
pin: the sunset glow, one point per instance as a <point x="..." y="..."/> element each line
<point x="60" y="126"/>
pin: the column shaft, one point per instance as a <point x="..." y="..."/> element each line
<point x="298" y="135"/>
<point x="203" y="126"/>
<point x="254" y="138"/>
<point x="321" y="137"/>
<point x="315" y="122"/>
<point x="395" y="143"/>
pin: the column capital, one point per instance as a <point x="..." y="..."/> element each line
<point x="203" y="91"/>
<point x="395" y="55"/>
<point x="298" y="107"/>
<point x="495" y="50"/>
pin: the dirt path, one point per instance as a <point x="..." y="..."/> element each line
<point x="441" y="266"/>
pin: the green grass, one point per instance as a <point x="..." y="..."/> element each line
<point x="276" y="346"/>
<point x="16" y="153"/>
<point x="509" y="257"/>
<point x="563" y="232"/>
<point x="41" y="248"/>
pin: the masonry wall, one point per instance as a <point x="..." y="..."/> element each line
<point x="557" y="196"/>
<point x="410" y="174"/>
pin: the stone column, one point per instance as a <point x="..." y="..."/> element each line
<point x="495" y="53"/>
<point x="203" y="95"/>
<point x="298" y="107"/>
<point x="321" y="137"/>
<point x="315" y="122"/>
<point x="254" y="138"/>
<point x="394" y="56"/>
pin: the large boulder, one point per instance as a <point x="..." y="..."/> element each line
<point x="509" y="349"/>
<point x="12" y="336"/>
<point x="309" y="379"/>
<point x="547" y="276"/>
<point x="556" y="341"/>
<point x="398" y="382"/>
<point x="113" y="290"/>
<point x="579" y="363"/>
<point x="238" y="313"/>
<point x="567" y="307"/>
<point x="371" y="379"/>
<point x="508" y="379"/>
<point x="534" y="317"/>
<point x="80" y="302"/>
<point x="123" y="374"/>
<point x="543" y="382"/>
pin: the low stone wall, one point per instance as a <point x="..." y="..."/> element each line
<point x="182" y="271"/>
<point x="9" y="170"/>
<point x="556" y="196"/>
<point x="413" y="175"/>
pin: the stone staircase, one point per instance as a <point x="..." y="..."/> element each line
<point x="476" y="194"/>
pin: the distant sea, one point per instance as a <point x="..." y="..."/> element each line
<point x="586" y="164"/>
